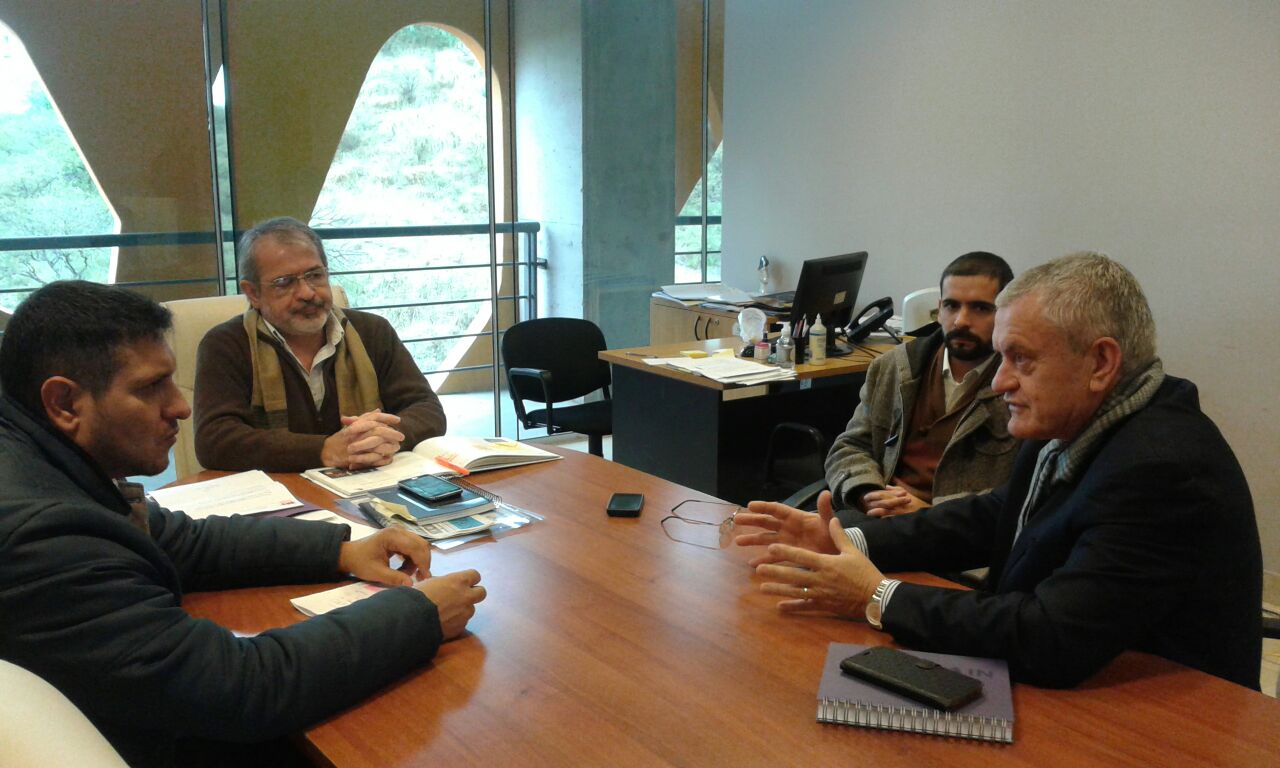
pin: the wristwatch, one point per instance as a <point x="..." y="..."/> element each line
<point x="876" y="603"/>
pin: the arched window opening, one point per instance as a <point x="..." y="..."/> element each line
<point x="413" y="152"/>
<point x="46" y="187"/>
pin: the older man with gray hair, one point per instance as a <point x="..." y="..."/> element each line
<point x="1127" y="522"/>
<point x="295" y="382"/>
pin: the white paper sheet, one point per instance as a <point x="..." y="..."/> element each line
<point x="358" y="530"/>
<point x="244" y="493"/>
<point x="718" y="292"/>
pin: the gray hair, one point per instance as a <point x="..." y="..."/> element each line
<point x="1088" y="296"/>
<point x="285" y="229"/>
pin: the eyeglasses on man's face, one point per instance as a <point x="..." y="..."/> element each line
<point x="316" y="277"/>
<point x="707" y="524"/>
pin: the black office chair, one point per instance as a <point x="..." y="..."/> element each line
<point x="551" y="360"/>
<point x="793" y="459"/>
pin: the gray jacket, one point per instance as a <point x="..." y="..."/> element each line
<point x="978" y="457"/>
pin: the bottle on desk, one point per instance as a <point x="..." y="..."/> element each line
<point x="786" y="347"/>
<point x="817" y="342"/>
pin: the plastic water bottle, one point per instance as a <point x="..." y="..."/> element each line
<point x="818" y="342"/>
<point x="786" y="348"/>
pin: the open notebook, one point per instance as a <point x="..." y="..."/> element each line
<point x="444" y="455"/>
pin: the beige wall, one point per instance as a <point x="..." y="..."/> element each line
<point x="689" y="91"/>
<point x="128" y="79"/>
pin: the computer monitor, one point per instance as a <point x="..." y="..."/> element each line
<point x="828" y="287"/>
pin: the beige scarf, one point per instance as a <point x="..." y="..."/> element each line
<point x="356" y="378"/>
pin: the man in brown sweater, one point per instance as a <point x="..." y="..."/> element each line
<point x="296" y="383"/>
<point x="928" y="426"/>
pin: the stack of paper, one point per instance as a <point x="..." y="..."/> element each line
<point x="244" y="493"/>
<point x="700" y="292"/>
<point x="731" y="370"/>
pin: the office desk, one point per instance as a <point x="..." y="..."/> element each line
<point x="711" y="436"/>
<point x="602" y="642"/>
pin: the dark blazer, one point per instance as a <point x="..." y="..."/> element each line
<point x="1153" y="548"/>
<point x="93" y="604"/>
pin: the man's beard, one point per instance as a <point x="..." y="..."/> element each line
<point x="978" y="351"/>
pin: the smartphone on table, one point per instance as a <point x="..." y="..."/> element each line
<point x="430" y="489"/>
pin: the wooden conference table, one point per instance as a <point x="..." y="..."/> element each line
<point x="603" y="642"/>
<point x="711" y="436"/>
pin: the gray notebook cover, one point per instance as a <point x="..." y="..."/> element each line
<point x="848" y="700"/>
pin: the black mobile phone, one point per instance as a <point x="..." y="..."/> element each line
<point x="925" y="681"/>
<point x="625" y="505"/>
<point x="430" y="488"/>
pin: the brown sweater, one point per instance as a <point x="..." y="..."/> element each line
<point x="226" y="437"/>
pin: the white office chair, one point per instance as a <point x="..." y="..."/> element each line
<point x="192" y="319"/>
<point x="40" y="727"/>
<point x="920" y="308"/>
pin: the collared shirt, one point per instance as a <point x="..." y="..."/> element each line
<point x="315" y="377"/>
<point x="952" y="389"/>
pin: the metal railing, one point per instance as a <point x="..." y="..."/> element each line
<point x="703" y="253"/>
<point x="526" y="263"/>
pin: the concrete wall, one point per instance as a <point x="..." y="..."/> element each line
<point x="628" y="160"/>
<point x="921" y="130"/>
<point x="548" y="129"/>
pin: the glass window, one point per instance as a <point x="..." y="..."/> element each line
<point x="46" y="187"/>
<point x="413" y="152"/>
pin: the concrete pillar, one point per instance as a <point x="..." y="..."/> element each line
<point x="595" y="127"/>
<point x="628" y="161"/>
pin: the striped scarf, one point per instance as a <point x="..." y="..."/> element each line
<point x="1061" y="462"/>
<point x="353" y="370"/>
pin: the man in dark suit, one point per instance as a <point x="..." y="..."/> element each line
<point x="1127" y="523"/>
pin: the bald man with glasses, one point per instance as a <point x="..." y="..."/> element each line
<point x="296" y="383"/>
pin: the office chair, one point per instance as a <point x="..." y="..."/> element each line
<point x="552" y="360"/>
<point x="793" y="461"/>
<point x="40" y="726"/>
<point x="192" y="319"/>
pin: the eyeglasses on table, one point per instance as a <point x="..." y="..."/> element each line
<point x="701" y="523"/>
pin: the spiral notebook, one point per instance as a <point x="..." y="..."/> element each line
<point x="846" y="700"/>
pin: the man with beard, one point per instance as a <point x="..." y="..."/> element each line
<point x="1126" y="523"/>
<point x="928" y="427"/>
<point x="296" y="383"/>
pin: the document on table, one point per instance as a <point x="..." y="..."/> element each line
<point x="731" y="370"/>
<point x="332" y="599"/>
<point x="244" y="493"/>
<point x="358" y="530"/>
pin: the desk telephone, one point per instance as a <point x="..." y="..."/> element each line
<point x="871" y="319"/>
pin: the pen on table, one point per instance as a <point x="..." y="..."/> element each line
<point x="462" y="472"/>
<point x="366" y="509"/>
<point x="640" y="354"/>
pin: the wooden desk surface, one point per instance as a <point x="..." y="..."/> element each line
<point x="602" y="642"/>
<point x="634" y="357"/>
